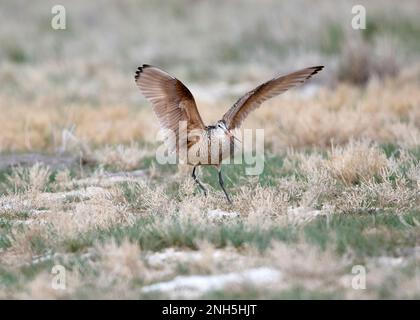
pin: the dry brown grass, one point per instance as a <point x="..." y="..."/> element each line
<point x="28" y="179"/>
<point x="356" y="163"/>
<point x="41" y="127"/>
<point x="120" y="269"/>
<point x="386" y="111"/>
<point x="122" y="157"/>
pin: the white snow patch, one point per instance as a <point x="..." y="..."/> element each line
<point x="219" y="214"/>
<point x="159" y="259"/>
<point x="85" y="193"/>
<point x="108" y="180"/>
<point x="7" y="206"/>
<point x="24" y="222"/>
<point x="37" y="212"/>
<point x="198" y="284"/>
<point x="390" y="261"/>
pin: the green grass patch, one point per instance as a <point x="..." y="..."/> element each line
<point x="390" y="149"/>
<point x="331" y="39"/>
<point x="365" y="234"/>
<point x="6" y="235"/>
<point x="7" y="278"/>
<point x="236" y="175"/>
<point x="407" y="31"/>
<point x="150" y="235"/>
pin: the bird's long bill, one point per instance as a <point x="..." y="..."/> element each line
<point x="231" y="135"/>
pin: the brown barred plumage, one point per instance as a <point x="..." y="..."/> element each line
<point x="173" y="104"/>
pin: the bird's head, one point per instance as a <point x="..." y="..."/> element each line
<point x="221" y="126"/>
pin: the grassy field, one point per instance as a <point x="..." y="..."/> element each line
<point x="80" y="186"/>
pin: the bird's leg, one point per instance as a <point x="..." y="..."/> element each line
<point x="198" y="181"/>
<point x="222" y="184"/>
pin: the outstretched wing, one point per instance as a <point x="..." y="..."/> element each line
<point x="172" y="101"/>
<point x="253" y="99"/>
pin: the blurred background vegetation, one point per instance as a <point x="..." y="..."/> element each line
<point x="57" y="80"/>
<point x="200" y="41"/>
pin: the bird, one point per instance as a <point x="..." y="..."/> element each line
<point x="173" y="104"/>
